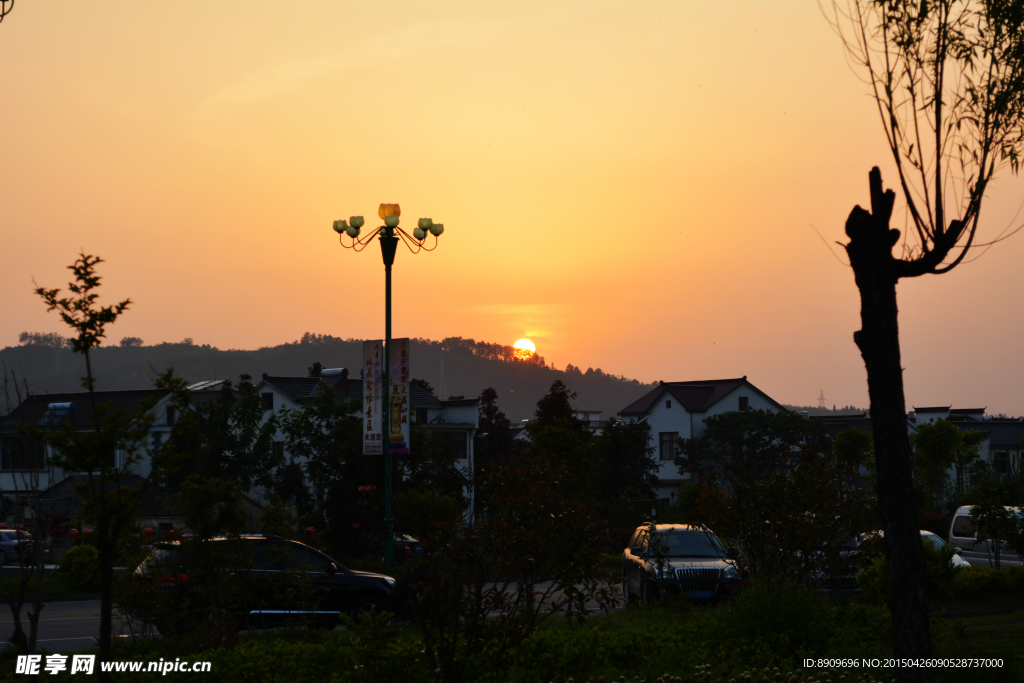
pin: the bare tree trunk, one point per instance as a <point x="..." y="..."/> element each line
<point x="106" y="557"/>
<point x="876" y="273"/>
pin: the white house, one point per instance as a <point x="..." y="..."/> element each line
<point x="1002" y="437"/>
<point x="29" y="477"/>
<point x="677" y="410"/>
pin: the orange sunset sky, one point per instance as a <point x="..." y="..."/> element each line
<point x="631" y="185"/>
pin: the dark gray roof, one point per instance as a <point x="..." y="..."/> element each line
<point x="458" y="402"/>
<point x="1001" y="433"/>
<point x="35" y="408"/>
<point x="300" y="388"/>
<point x="695" y="397"/>
<point x="838" y="424"/>
<point x="62" y="499"/>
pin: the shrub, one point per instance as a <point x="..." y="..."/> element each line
<point x="82" y="564"/>
<point x="941" y="576"/>
<point x="976" y="581"/>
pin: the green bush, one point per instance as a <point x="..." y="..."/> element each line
<point x="82" y="565"/>
<point x="941" y="576"/>
<point x="976" y="581"/>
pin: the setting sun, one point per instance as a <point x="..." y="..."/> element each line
<point x="524" y="349"/>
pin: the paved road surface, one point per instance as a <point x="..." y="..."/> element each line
<point x="73" y="626"/>
<point x="63" y="626"/>
<point x="980" y="558"/>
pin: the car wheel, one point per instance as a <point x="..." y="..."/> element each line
<point x="367" y="603"/>
<point x="3" y="557"/>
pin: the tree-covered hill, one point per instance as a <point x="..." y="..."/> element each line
<point x="455" y="366"/>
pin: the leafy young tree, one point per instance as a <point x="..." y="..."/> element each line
<point x="324" y="433"/>
<point x="626" y="463"/>
<point x="229" y="438"/>
<point x="556" y="404"/>
<point x="470" y="604"/>
<point x="948" y="79"/>
<point x="773" y="484"/>
<point x="939" y="446"/>
<point x="112" y="506"/>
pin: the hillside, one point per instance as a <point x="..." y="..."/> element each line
<point x="469" y="367"/>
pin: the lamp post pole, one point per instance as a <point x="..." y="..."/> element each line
<point x="388" y="246"/>
<point x="390" y="235"/>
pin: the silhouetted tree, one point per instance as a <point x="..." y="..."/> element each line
<point x="113" y="507"/>
<point x="556" y="404"/>
<point x="50" y="340"/>
<point x="229" y="438"/>
<point x="626" y="462"/>
<point x="314" y="370"/>
<point x="948" y="78"/>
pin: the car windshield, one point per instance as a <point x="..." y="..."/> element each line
<point x="689" y="544"/>
<point x="936" y="541"/>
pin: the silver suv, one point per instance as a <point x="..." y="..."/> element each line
<point x="666" y="559"/>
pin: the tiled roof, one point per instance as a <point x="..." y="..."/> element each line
<point x="1001" y="434"/>
<point x="966" y="411"/>
<point x="695" y="397"/>
<point x="300" y="388"/>
<point x="34" y="408"/>
<point x="840" y="423"/>
<point x="934" y="409"/>
<point x="61" y="497"/>
<point x="454" y="402"/>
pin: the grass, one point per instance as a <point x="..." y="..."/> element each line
<point x="762" y="633"/>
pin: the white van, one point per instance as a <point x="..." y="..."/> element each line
<point x="962" y="533"/>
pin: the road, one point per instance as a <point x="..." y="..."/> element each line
<point x="63" y="626"/>
<point x="73" y="626"/>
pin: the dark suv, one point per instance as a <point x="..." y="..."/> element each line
<point x="262" y="581"/>
<point x="667" y="559"/>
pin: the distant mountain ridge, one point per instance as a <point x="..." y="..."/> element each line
<point x="454" y="366"/>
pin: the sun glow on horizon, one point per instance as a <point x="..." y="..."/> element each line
<point x="524" y="349"/>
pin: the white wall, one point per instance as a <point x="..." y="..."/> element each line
<point x="677" y="419"/>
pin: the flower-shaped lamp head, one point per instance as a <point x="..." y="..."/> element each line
<point x="386" y="210"/>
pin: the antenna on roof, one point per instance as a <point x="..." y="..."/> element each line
<point x="444" y="391"/>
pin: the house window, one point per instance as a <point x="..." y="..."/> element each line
<point x="744" y="402"/>
<point x="21" y="453"/>
<point x="456" y="444"/>
<point x="158" y="439"/>
<point x="268" y="401"/>
<point x="1001" y="462"/>
<point x="421" y="416"/>
<point x="170" y="416"/>
<point x="668" y="404"/>
<point x="667" y="448"/>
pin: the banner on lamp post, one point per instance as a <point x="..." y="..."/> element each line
<point x="398" y="439"/>
<point x="373" y="395"/>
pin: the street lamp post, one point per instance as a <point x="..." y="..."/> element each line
<point x="390" y="235"/>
